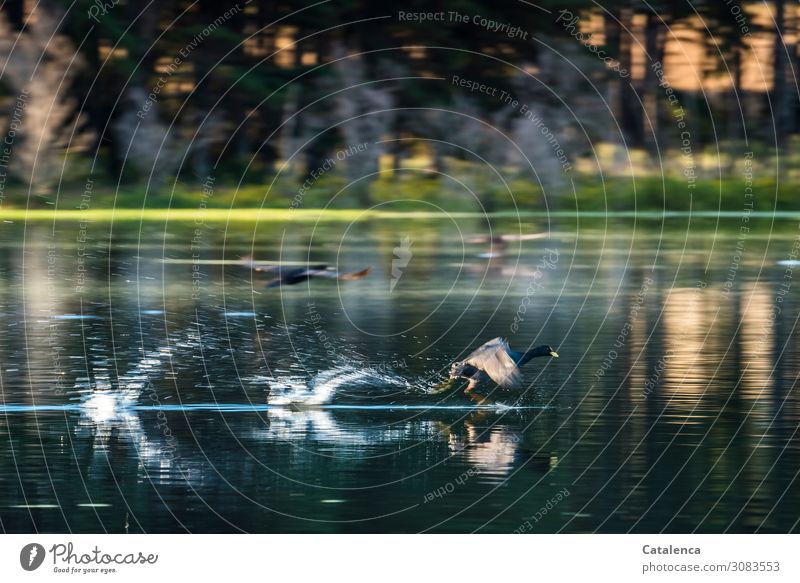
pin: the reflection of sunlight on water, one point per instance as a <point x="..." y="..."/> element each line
<point x="685" y="330"/>
<point x="757" y="341"/>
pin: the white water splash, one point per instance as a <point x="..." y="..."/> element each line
<point x="326" y="385"/>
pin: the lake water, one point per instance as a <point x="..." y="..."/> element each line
<point x="151" y="383"/>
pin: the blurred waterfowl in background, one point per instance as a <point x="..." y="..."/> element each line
<point x="499" y="268"/>
<point x="496" y="361"/>
<point x="499" y="243"/>
<point x="292" y="275"/>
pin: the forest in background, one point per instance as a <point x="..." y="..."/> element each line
<point x="476" y="105"/>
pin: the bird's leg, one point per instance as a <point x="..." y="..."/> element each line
<point x="479" y="399"/>
<point x="472" y="384"/>
<point x="476" y="418"/>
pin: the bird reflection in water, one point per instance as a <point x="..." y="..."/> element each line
<point x="493" y="448"/>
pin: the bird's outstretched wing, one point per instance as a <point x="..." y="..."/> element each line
<point x="493" y="359"/>
<point x="288" y="274"/>
<point x="265" y="267"/>
<point x="296" y="275"/>
<point x="332" y="273"/>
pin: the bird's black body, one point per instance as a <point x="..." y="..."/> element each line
<point x="468" y="371"/>
<point x="522" y="357"/>
<point x="286" y="275"/>
<point x="295" y="275"/>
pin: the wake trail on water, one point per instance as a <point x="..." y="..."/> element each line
<point x="343" y="383"/>
<point x="350" y="383"/>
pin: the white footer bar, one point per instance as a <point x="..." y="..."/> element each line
<point x="389" y="558"/>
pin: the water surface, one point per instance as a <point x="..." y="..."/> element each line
<point x="151" y="383"/>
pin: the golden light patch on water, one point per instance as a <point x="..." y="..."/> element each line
<point x="687" y="315"/>
<point x="757" y="340"/>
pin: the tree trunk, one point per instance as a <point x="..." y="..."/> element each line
<point x="15" y="11"/>
<point x="778" y="98"/>
<point x="654" y="45"/>
<point x="618" y="39"/>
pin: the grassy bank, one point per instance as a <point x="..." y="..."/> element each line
<point x="408" y="194"/>
<point x="347" y="215"/>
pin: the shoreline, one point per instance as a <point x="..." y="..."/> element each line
<point x="310" y="215"/>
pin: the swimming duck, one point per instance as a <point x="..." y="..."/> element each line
<point x="498" y="244"/>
